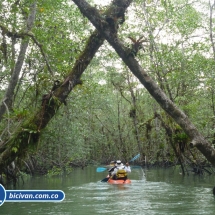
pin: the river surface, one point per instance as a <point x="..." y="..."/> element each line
<point x="153" y="191"/>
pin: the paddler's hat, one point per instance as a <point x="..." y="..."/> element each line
<point x="119" y="163"/>
<point x="112" y="163"/>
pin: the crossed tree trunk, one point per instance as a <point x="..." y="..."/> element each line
<point x="107" y="30"/>
<point x="27" y="135"/>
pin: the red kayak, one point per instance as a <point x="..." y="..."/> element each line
<point x="111" y="181"/>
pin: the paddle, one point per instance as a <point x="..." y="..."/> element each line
<point x="105" y="179"/>
<point x="101" y="169"/>
<point x="134" y="158"/>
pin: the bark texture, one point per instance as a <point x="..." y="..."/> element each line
<point x="7" y="101"/>
<point x="28" y="133"/>
<point x="107" y="30"/>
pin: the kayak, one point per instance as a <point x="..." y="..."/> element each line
<point x="111" y="181"/>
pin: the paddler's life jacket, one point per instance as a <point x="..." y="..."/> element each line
<point x="121" y="173"/>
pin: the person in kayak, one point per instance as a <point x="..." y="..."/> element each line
<point x="120" y="171"/>
<point x="113" y="166"/>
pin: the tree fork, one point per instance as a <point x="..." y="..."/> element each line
<point x="28" y="133"/>
<point x="156" y="92"/>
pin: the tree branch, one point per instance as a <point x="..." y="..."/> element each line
<point x="156" y="92"/>
<point x="30" y="34"/>
<point x="57" y="97"/>
<point x="8" y="98"/>
<point x="211" y="27"/>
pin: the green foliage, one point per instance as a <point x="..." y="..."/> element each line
<point x="57" y="171"/>
<point x="180" y="137"/>
<point x="96" y="124"/>
<point x="187" y="20"/>
<point x="14" y="149"/>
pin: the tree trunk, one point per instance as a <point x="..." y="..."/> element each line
<point x="28" y="133"/>
<point x="133" y="115"/>
<point x="7" y="102"/>
<point x="109" y="33"/>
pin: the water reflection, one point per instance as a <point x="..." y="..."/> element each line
<point x="158" y="191"/>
